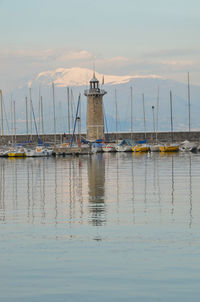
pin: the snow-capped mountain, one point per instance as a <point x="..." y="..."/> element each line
<point x="76" y="76"/>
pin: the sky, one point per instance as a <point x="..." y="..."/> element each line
<point x="122" y="37"/>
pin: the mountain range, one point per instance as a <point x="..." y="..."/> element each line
<point x="77" y="79"/>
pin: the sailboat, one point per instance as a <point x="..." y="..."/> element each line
<point x="143" y="147"/>
<point x="156" y="146"/>
<point x="38" y="152"/>
<point x="186" y="145"/>
<point x="170" y="147"/>
<point x="126" y="145"/>
<point x="21" y="152"/>
<point x="18" y="151"/>
<point x="109" y="147"/>
<point x="117" y="148"/>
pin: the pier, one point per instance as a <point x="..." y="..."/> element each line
<point x="178" y="136"/>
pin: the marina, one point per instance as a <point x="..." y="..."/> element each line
<point x="113" y="218"/>
<point x="95" y="139"/>
<point x="31" y="149"/>
<point x="99" y="151"/>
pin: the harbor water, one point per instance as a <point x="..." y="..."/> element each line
<point x="106" y="227"/>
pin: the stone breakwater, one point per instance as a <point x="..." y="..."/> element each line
<point x="136" y="136"/>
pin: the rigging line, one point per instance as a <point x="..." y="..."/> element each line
<point x="105" y="119"/>
<point x="77" y="111"/>
<point x="34" y="120"/>
<point x="4" y="109"/>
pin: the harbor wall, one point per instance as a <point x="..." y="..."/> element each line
<point x="136" y="136"/>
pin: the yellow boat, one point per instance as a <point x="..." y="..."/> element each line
<point x="16" y="153"/>
<point x="169" y="148"/>
<point x="141" y="148"/>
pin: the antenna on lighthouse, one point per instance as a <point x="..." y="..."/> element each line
<point x="94" y="69"/>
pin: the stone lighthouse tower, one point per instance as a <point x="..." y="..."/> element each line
<point x="95" y="117"/>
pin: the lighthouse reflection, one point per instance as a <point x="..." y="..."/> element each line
<point x="96" y="189"/>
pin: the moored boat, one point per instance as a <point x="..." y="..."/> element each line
<point x="38" y="152"/>
<point x="123" y="148"/>
<point x="16" y="152"/>
<point x="169" y="148"/>
<point x="155" y="148"/>
<point x="108" y="148"/>
<point x="187" y="146"/>
<point x="96" y="147"/>
<point x="141" y="148"/>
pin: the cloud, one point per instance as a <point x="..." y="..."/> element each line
<point x="76" y="55"/>
<point x="18" y="65"/>
<point x="27" y="54"/>
<point x="179" y="62"/>
<point x="118" y="59"/>
<point x="172" y="52"/>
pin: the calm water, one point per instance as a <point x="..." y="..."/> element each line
<point x="112" y="227"/>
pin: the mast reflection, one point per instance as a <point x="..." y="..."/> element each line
<point x="190" y="190"/>
<point x="96" y="189"/>
<point x="2" y="191"/>
<point x="172" y="186"/>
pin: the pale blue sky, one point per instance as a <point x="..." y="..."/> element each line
<point x="125" y="36"/>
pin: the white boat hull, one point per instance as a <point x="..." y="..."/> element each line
<point x="39" y="152"/>
<point x="155" y="148"/>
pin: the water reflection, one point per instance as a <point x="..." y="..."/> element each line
<point x="2" y="192"/>
<point x="141" y="208"/>
<point x="190" y="189"/>
<point x="172" y="187"/>
<point x="133" y="189"/>
<point x="96" y="189"/>
<point x="108" y="188"/>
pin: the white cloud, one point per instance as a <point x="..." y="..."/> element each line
<point x="118" y="59"/>
<point x="76" y="55"/>
<point x="24" y="54"/>
<point x="179" y="62"/>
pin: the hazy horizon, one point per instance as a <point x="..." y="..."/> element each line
<point x="121" y="37"/>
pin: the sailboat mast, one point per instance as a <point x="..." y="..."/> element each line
<point x="54" y="113"/>
<point x="27" y="118"/>
<point x="30" y="114"/>
<point x="131" y="112"/>
<point x="1" y="112"/>
<point x="72" y="104"/>
<point x="157" y="110"/>
<point x="80" y="117"/>
<point x="14" y="120"/>
<point x="11" y="118"/>
<point x="42" y="118"/>
<point x="1" y="97"/>
<point x="171" y="115"/>
<point x="76" y="118"/>
<point x="188" y="102"/>
<point x="68" y="110"/>
<point x="154" y="128"/>
<point x="39" y="113"/>
<point x="145" y="135"/>
<point x="116" y="115"/>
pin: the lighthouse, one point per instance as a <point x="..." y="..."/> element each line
<point x="95" y="115"/>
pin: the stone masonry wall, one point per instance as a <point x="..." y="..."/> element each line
<point x="95" y="120"/>
<point x="162" y="137"/>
